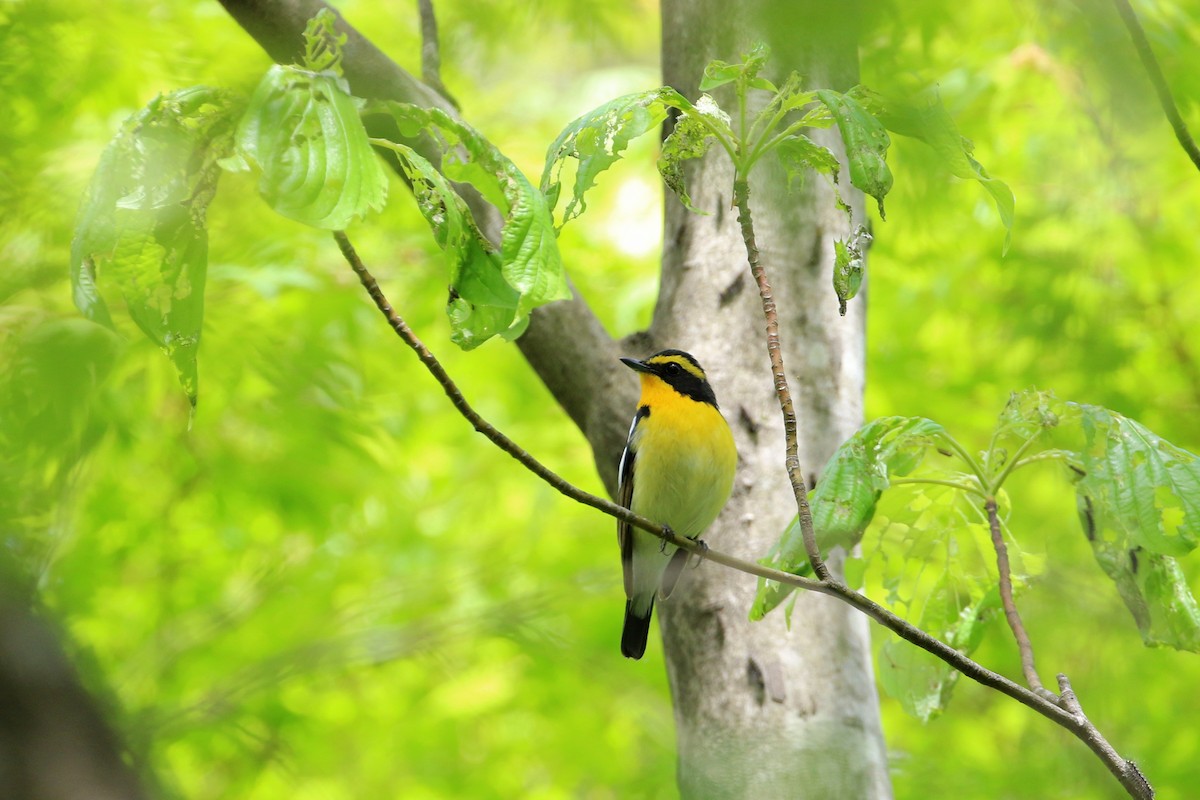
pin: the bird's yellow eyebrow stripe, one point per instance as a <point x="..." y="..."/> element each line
<point x="681" y="361"/>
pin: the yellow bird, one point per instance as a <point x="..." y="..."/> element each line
<point x="677" y="469"/>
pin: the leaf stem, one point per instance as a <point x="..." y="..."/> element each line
<point x="967" y="458"/>
<point x="1010" y="606"/>
<point x="965" y="487"/>
<point x="998" y="481"/>
<point x="1045" y="455"/>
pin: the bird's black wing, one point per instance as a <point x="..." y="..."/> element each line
<point x="625" y="498"/>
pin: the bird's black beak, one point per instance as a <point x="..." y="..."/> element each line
<point x="637" y="366"/>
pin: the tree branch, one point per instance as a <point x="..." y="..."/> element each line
<point x="1068" y="719"/>
<point x="565" y="344"/>
<point x="1126" y="772"/>
<point x="1010" y="606"/>
<point x="741" y="197"/>
<point x="431" y="54"/>
<point x="1153" y="71"/>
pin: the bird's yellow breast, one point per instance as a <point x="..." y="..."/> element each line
<point x="685" y="460"/>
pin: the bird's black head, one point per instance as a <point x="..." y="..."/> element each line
<point x="679" y="370"/>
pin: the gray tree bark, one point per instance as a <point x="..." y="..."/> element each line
<point x="761" y="710"/>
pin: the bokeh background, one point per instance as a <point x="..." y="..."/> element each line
<point x="324" y="585"/>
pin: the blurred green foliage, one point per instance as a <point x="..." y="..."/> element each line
<point x="324" y="585"/>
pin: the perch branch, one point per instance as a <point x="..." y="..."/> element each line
<point x="1068" y="719"/>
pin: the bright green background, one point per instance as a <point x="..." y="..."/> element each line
<point x="327" y="586"/>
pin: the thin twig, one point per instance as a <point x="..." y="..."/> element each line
<point x="1010" y="606"/>
<point x="741" y="197"/>
<point x="1155" y="73"/>
<point x="431" y="53"/>
<point x="910" y="633"/>
<point x="1125" y="771"/>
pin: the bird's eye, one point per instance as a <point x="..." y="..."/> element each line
<point x="673" y="369"/>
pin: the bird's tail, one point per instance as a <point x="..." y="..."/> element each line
<point x="636" y="631"/>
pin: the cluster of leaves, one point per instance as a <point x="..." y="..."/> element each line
<point x="1139" y="502"/>
<point x="597" y="139"/>
<point x="142" y="226"/>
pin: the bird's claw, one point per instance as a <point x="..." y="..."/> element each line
<point x="662" y="543"/>
<point x="703" y="554"/>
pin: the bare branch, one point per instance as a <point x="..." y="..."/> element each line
<point x="976" y="672"/>
<point x="1125" y="771"/>
<point x="741" y="197"/>
<point x="1010" y="606"/>
<point x="1153" y="71"/>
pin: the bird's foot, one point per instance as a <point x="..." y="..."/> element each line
<point x="703" y="554"/>
<point x="662" y="543"/>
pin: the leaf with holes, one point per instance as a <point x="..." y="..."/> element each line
<point x="921" y="682"/>
<point x="526" y="271"/>
<point x="597" y="139"/>
<point x="482" y="304"/>
<point x="141" y="228"/>
<point x="1139" y="503"/>
<point x="691" y="138"/>
<point x="866" y="142"/>
<point x="302" y="133"/>
<point x="845" y="498"/>
<point x="1142" y="488"/>
<point x="932" y="124"/>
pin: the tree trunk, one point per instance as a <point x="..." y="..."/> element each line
<point x="761" y="710"/>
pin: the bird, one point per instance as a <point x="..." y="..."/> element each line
<point x="677" y="469"/>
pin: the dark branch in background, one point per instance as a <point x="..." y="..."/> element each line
<point x="431" y="55"/>
<point x="54" y="742"/>
<point x="1069" y="718"/>
<point x="1155" y="73"/>
<point x="565" y="344"/>
<point x="741" y="197"/>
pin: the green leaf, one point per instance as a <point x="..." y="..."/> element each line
<point x="1030" y="413"/>
<point x="719" y="73"/>
<point x="799" y="154"/>
<point x="303" y="133"/>
<point x="1139" y="503"/>
<point x="1143" y="489"/>
<point x="849" y="266"/>
<point x="597" y="139"/>
<point x="691" y="138"/>
<point x="844" y="501"/>
<point x="142" y="224"/>
<point x="497" y="292"/>
<point x="1152" y="585"/>
<point x="1027" y="416"/>
<point x="931" y="123"/>
<point x="920" y="681"/>
<point x="323" y="43"/>
<point x="866" y="142"/>
<point x="931" y="551"/>
<point x="481" y="303"/>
